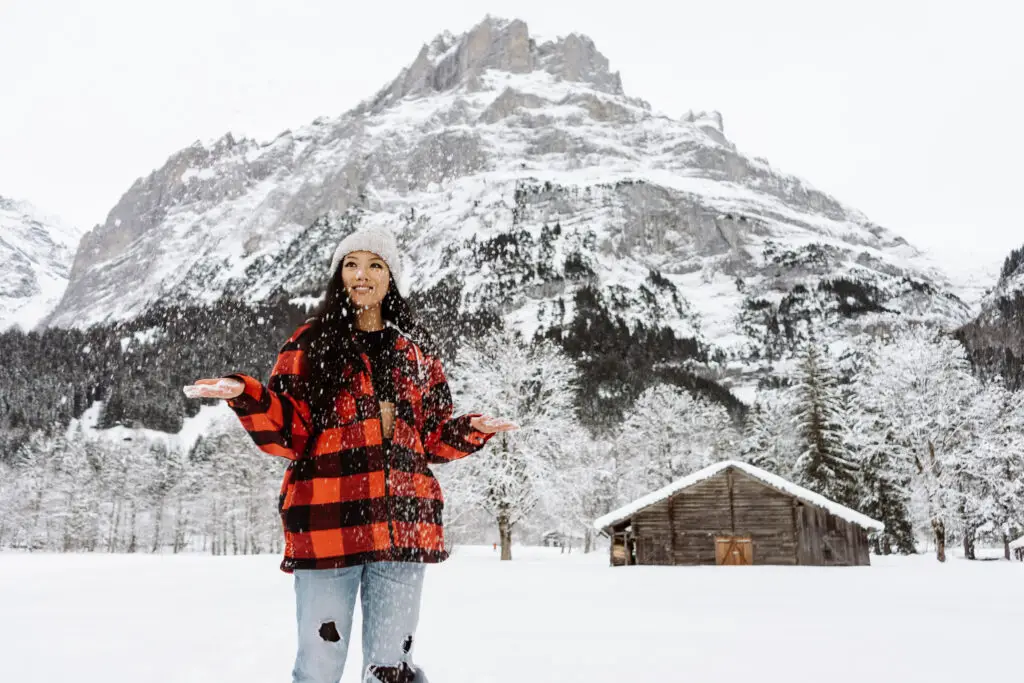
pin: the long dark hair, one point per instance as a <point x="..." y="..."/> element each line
<point x="333" y="345"/>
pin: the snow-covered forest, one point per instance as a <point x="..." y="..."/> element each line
<point x="897" y="426"/>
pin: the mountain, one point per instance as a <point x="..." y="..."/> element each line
<point x="995" y="338"/>
<point x="522" y="182"/>
<point x="36" y="250"/>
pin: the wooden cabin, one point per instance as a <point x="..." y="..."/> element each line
<point x="735" y="513"/>
<point x="1017" y="548"/>
<point x="559" y="538"/>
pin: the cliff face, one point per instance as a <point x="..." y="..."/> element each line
<point x="995" y="338"/>
<point x="36" y="251"/>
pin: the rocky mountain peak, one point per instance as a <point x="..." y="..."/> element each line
<point x="712" y="119"/>
<point x="520" y="181"/>
<point x="448" y="61"/>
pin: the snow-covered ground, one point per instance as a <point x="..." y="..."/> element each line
<point x="543" y="617"/>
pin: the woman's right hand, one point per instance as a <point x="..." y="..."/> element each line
<point x="224" y="387"/>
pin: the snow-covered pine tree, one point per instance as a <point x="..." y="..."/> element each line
<point x="35" y="493"/>
<point x="520" y="471"/>
<point x="76" y="513"/>
<point x="239" y="488"/>
<point x="120" y="483"/>
<point x="885" y="487"/>
<point x="824" y="464"/>
<point x="187" y="495"/>
<point x="7" y="502"/>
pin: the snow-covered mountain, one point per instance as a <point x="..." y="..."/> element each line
<point x="36" y="251"/>
<point x="1010" y="284"/>
<point x="1002" y="306"/>
<point x="995" y="338"/>
<point x="520" y="171"/>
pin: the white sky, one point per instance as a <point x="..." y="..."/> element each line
<point x="911" y="111"/>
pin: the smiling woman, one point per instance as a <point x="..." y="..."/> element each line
<point x="359" y="405"/>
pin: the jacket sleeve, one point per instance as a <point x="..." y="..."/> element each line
<point x="277" y="416"/>
<point x="446" y="438"/>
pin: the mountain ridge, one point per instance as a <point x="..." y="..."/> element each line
<point x="487" y="142"/>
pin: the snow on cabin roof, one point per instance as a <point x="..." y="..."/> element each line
<point x="772" y="480"/>
<point x="1019" y="543"/>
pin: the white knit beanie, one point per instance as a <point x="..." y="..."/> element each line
<point x="379" y="241"/>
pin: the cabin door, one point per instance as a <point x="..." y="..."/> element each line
<point x="623" y="549"/>
<point x="734" y="550"/>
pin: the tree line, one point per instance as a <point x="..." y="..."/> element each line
<point x="896" y="426"/>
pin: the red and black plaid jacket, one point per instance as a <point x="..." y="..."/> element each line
<point x="343" y="500"/>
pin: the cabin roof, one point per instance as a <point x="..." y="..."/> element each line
<point x="1019" y="543"/>
<point x="765" y="477"/>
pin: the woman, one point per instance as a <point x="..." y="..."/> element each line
<point x="360" y="410"/>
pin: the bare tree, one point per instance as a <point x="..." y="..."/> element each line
<point x="668" y="434"/>
<point x="523" y="470"/>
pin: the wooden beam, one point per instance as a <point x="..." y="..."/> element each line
<point x="796" y="532"/>
<point x="672" y="530"/>
<point x="732" y="503"/>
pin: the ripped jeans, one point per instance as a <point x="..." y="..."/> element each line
<point x="390" y="599"/>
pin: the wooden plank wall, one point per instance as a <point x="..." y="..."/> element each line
<point x="810" y="521"/>
<point x="857" y="551"/>
<point x="682" y="530"/>
<point x="653" y="531"/>
<point x="767" y="515"/>
<point x="830" y="541"/>
<point x="699" y="514"/>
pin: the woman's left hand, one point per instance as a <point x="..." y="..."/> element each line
<point x="490" y="425"/>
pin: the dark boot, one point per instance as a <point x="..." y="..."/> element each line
<point x="395" y="674"/>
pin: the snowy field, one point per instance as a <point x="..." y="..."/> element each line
<point x="543" y="617"/>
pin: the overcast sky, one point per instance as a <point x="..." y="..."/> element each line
<point x="910" y="111"/>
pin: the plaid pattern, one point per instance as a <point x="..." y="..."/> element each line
<point x="343" y="501"/>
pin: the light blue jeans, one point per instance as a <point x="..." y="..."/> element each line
<point x="325" y="601"/>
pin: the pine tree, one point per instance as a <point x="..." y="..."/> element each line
<point x="825" y="464"/>
<point x="885" y="495"/>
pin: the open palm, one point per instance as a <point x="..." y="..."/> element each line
<point x="490" y="425"/>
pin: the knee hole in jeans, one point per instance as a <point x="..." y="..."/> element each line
<point x="329" y="632"/>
